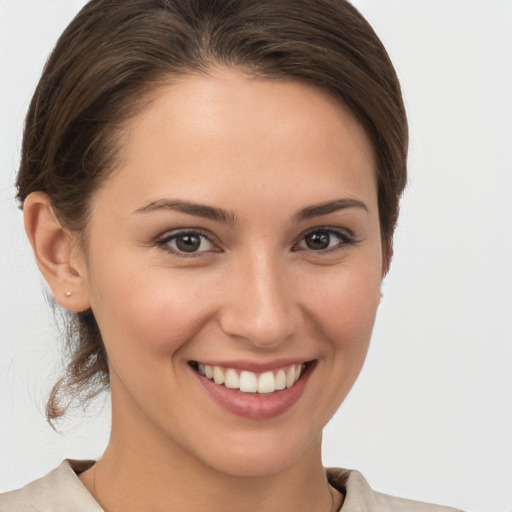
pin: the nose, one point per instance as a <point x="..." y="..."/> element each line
<point x="260" y="305"/>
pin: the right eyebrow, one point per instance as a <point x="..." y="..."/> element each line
<point x="190" y="208"/>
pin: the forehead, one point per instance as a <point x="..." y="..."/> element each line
<point x="229" y="127"/>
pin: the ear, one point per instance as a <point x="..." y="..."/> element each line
<point x="57" y="253"/>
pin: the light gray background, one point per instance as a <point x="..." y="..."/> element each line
<point x="431" y="415"/>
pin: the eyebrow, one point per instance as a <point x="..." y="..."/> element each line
<point x="329" y="207"/>
<point x="221" y="215"/>
<point x="198" y="210"/>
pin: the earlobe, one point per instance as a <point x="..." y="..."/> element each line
<point x="56" y="253"/>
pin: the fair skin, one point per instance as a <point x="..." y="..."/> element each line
<point x="267" y="284"/>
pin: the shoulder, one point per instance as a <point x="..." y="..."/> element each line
<point x="360" y="497"/>
<point x="58" y="491"/>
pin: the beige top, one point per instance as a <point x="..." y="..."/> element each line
<point x="62" y="491"/>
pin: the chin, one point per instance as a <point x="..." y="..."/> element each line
<point x="257" y="466"/>
<point x="264" y="456"/>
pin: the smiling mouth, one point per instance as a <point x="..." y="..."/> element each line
<point x="250" y="382"/>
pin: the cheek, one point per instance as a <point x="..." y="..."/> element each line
<point x="151" y="310"/>
<point x="344" y="316"/>
<point x="344" y="308"/>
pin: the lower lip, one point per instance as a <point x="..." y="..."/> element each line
<point x="254" y="406"/>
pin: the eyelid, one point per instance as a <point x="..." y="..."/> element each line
<point x="346" y="236"/>
<point x="163" y="240"/>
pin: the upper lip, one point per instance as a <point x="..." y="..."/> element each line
<point x="254" y="366"/>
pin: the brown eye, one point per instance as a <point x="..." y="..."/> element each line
<point x="187" y="242"/>
<point x="325" y="240"/>
<point x="318" y="240"/>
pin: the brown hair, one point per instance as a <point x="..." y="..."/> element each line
<point x="116" y="51"/>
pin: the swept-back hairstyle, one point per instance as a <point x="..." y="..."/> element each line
<point x="116" y="52"/>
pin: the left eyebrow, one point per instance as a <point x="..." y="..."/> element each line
<point x="317" y="210"/>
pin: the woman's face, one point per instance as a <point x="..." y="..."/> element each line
<point x="238" y="241"/>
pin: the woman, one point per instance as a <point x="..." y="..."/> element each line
<point x="212" y="188"/>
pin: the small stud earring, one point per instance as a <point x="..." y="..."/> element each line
<point x="67" y="294"/>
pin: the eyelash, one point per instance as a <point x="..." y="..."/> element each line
<point x="345" y="238"/>
<point x="164" y="242"/>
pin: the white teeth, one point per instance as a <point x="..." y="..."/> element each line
<point x="250" y="382"/>
<point x="266" y="383"/>
<point x="218" y="375"/>
<point x="280" y="380"/>
<point x="232" y="381"/>
<point x="290" y="377"/>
